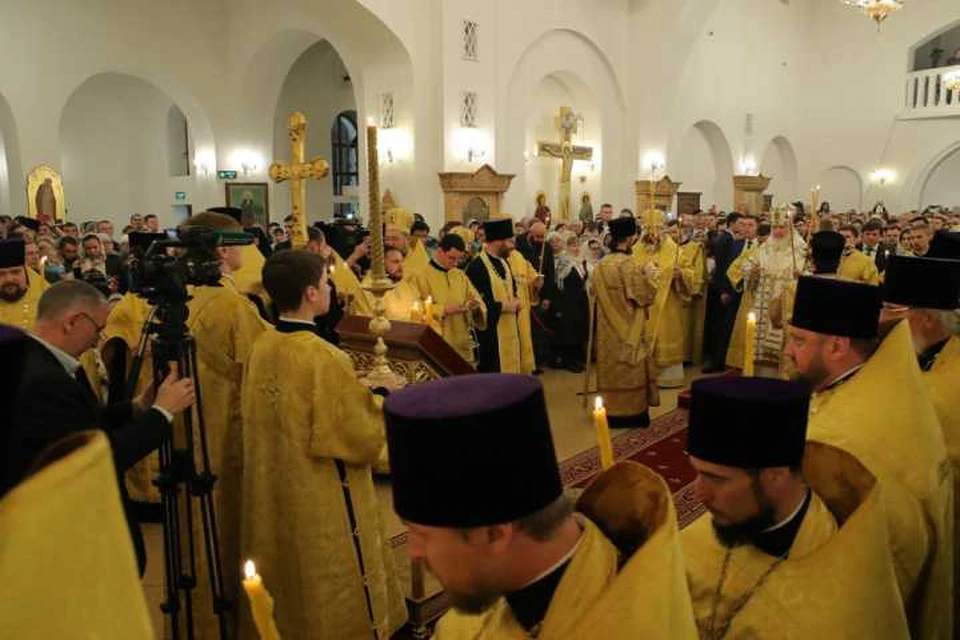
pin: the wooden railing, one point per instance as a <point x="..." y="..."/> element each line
<point x="927" y="97"/>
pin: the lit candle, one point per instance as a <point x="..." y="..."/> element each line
<point x="750" y="347"/>
<point x="428" y="310"/>
<point x="603" y="434"/>
<point x="261" y="603"/>
<point x="331" y="270"/>
<point x="416" y="312"/>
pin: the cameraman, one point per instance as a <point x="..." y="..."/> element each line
<point x="224" y="324"/>
<point x="55" y="398"/>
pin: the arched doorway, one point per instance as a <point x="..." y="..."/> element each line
<point x="702" y="160"/>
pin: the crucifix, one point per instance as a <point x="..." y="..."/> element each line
<point x="566" y="124"/>
<point x="297" y="172"/>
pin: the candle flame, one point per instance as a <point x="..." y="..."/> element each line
<point x="751" y="317"/>
<point x="416" y="305"/>
<point x="429" y="299"/>
<point x="249" y="570"/>
<point x="371" y="122"/>
<point x="332" y="269"/>
<point x="598" y="403"/>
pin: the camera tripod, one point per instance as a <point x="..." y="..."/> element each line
<point x="181" y="476"/>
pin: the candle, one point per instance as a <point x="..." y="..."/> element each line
<point x="749" y="347"/>
<point x="261" y="603"/>
<point x="331" y="270"/>
<point x="376" y="223"/>
<point x="603" y="434"/>
<point x="428" y="310"/>
<point x="416" y="312"/>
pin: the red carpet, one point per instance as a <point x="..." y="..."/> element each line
<point x="662" y="447"/>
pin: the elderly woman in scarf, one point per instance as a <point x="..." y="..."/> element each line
<point x="571" y="307"/>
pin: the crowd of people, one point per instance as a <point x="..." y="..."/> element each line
<point x="840" y="519"/>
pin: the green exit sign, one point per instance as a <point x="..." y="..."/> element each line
<point x="180" y="196"/>
<point x="226" y="175"/>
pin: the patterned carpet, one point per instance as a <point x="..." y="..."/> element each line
<point x="660" y="447"/>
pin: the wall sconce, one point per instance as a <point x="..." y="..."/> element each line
<point x="883" y="176"/>
<point x="248" y="161"/>
<point x="205" y="161"/>
<point x="394" y="144"/>
<point x="655" y="162"/>
<point x="748" y="165"/>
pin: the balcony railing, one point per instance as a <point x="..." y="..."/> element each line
<point x="926" y="97"/>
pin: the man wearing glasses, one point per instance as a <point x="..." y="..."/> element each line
<point x="55" y="398"/>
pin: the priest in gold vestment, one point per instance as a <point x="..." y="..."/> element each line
<point x="870" y="400"/>
<point x="498" y="344"/>
<point x="502" y="538"/>
<point x="311" y="434"/>
<point x="665" y="329"/>
<point x="224" y="324"/>
<point x="402" y="302"/>
<point x="18" y="296"/>
<point x="459" y="304"/>
<point x="855" y="264"/>
<point x="528" y="282"/>
<point x="927" y="292"/>
<point x="399" y="223"/>
<point x="693" y="258"/>
<point x="794" y="544"/>
<point x="624" y="292"/>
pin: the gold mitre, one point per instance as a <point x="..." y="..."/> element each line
<point x="399" y="219"/>
<point x="652" y="219"/>
<point x="465" y="234"/>
<point x="780" y="216"/>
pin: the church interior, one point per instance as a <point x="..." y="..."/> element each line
<point x="787" y="112"/>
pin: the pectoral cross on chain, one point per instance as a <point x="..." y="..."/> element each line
<point x="297" y="171"/>
<point x="566" y="124"/>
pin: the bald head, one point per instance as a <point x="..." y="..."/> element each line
<point x="71" y="315"/>
<point x="538" y="231"/>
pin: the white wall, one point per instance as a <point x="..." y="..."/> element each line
<point x="943" y="186"/>
<point x="314" y="86"/>
<point x="114" y="138"/>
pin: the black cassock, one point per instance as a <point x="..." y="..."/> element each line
<point x="488" y="349"/>
<point x="571" y="309"/>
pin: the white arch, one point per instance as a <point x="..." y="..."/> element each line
<point x="914" y="185"/>
<point x="563" y="53"/>
<point x="785" y="185"/>
<point x="721" y="158"/>
<point x="12" y="186"/>
<point x="849" y="173"/>
<point x="912" y="51"/>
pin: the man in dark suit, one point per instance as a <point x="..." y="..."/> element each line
<point x="533" y="246"/>
<point x="55" y="398"/>
<point x="721" y="310"/>
<point x="871" y="245"/>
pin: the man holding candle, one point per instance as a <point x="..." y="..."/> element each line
<point x="624" y="292"/>
<point x="312" y="433"/>
<point x="870" y="400"/>
<point x="795" y="542"/>
<point x="400" y="300"/>
<point x="460" y="306"/>
<point x="475" y="478"/>
<point x="499" y="343"/>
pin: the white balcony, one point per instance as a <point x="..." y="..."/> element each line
<point x="926" y="97"/>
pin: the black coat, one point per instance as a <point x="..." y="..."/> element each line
<point x="488" y="340"/>
<point x="537" y="254"/>
<point x="51" y="405"/>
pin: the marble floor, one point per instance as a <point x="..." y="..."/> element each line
<point x="573" y="432"/>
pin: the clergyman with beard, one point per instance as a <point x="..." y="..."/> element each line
<point x="18" y="300"/>
<point x="795" y="542"/>
<point x="476" y="480"/>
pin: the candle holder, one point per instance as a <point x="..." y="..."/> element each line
<point x="380" y="374"/>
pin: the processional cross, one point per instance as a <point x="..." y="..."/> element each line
<point x="297" y="172"/>
<point x="566" y="124"/>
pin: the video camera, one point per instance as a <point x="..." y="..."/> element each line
<point x="162" y="265"/>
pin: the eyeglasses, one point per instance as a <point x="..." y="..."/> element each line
<point x="99" y="328"/>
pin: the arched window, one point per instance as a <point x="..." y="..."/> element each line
<point x="178" y="143"/>
<point x="345" y="168"/>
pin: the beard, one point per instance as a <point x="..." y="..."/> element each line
<point x="816" y="374"/>
<point x="504" y="252"/>
<point x="11" y="292"/>
<point x="732" y="535"/>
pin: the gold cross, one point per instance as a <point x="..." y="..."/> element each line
<point x="567" y="152"/>
<point x="297" y="171"/>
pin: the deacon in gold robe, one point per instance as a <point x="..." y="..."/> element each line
<point x="624" y="292"/>
<point x="224" y="324"/>
<point x="870" y="400"/>
<point x="499" y="343"/>
<point x="528" y="283"/>
<point x="18" y="298"/>
<point x="311" y="434"/>
<point x="399" y="223"/>
<point x="926" y="291"/>
<point x="795" y="542"/>
<point x="855" y="265"/>
<point x="66" y="543"/>
<point x="692" y="258"/>
<point x="402" y="302"/>
<point x="356" y="300"/>
<point x="503" y="539"/>
<point x="459" y="304"/>
<point x="664" y="330"/>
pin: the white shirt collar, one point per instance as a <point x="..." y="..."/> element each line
<point x="843" y="376"/>
<point x="298" y="321"/>
<point x="789" y="518"/>
<point x="66" y="360"/>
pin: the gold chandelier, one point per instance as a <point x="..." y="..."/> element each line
<point x="876" y="10"/>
